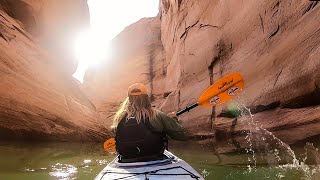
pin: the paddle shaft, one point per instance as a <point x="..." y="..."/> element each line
<point x="220" y="92"/>
<point x="187" y="109"/>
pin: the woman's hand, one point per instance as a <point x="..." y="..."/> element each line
<point x="172" y="115"/>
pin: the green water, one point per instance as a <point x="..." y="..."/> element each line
<point x="84" y="161"/>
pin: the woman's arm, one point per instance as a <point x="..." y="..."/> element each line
<point x="171" y="127"/>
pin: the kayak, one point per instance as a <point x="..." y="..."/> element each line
<point x="168" y="168"/>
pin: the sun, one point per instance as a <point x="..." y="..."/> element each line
<point x="89" y="49"/>
<point x="107" y="19"/>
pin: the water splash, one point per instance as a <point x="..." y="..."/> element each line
<point x="205" y="173"/>
<point x="277" y="153"/>
<point x="309" y="171"/>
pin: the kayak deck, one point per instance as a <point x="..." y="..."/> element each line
<point x="170" y="168"/>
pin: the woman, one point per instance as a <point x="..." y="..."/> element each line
<point x="141" y="130"/>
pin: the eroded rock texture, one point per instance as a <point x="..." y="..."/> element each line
<point x="53" y="24"/>
<point x="38" y="99"/>
<point x="137" y="57"/>
<point x="274" y="44"/>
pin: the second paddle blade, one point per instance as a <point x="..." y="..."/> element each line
<point x="110" y="145"/>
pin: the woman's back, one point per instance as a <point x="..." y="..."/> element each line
<point x="140" y="129"/>
<point x="138" y="141"/>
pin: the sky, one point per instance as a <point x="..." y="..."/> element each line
<point x="107" y="19"/>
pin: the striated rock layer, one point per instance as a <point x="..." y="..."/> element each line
<point x="274" y="44"/>
<point x="38" y="99"/>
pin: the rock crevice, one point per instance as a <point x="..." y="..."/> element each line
<point x="273" y="44"/>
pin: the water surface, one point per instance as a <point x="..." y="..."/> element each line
<point x="66" y="161"/>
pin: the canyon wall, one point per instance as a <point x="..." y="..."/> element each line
<point x="54" y="25"/>
<point x="274" y="44"/>
<point x="39" y="98"/>
<point x="137" y="56"/>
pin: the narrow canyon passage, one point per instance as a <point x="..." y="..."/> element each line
<point x="65" y="69"/>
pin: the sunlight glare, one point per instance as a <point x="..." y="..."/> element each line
<point x="90" y="49"/>
<point x="107" y="19"/>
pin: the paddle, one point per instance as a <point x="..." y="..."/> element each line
<point x="218" y="93"/>
<point x="110" y="145"/>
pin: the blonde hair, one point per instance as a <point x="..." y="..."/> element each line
<point x="135" y="106"/>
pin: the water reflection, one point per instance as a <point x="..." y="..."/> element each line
<point x="84" y="161"/>
<point x="63" y="171"/>
<point x="51" y="160"/>
<point x="270" y="146"/>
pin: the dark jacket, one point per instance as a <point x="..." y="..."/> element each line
<point x="146" y="140"/>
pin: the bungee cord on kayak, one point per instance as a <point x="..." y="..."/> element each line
<point x="155" y="173"/>
<point x="145" y="134"/>
<point x="233" y="86"/>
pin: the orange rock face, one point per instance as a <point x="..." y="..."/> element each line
<point x="53" y="24"/>
<point x="137" y="57"/>
<point x="38" y="100"/>
<point x="275" y="45"/>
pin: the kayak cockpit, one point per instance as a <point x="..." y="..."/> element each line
<point x="168" y="159"/>
<point x="171" y="167"/>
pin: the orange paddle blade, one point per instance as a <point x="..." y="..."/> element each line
<point x="110" y="145"/>
<point x="221" y="91"/>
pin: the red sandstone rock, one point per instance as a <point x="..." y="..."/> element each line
<point x="275" y="45"/>
<point x="53" y="24"/>
<point x="37" y="101"/>
<point x="137" y="57"/>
